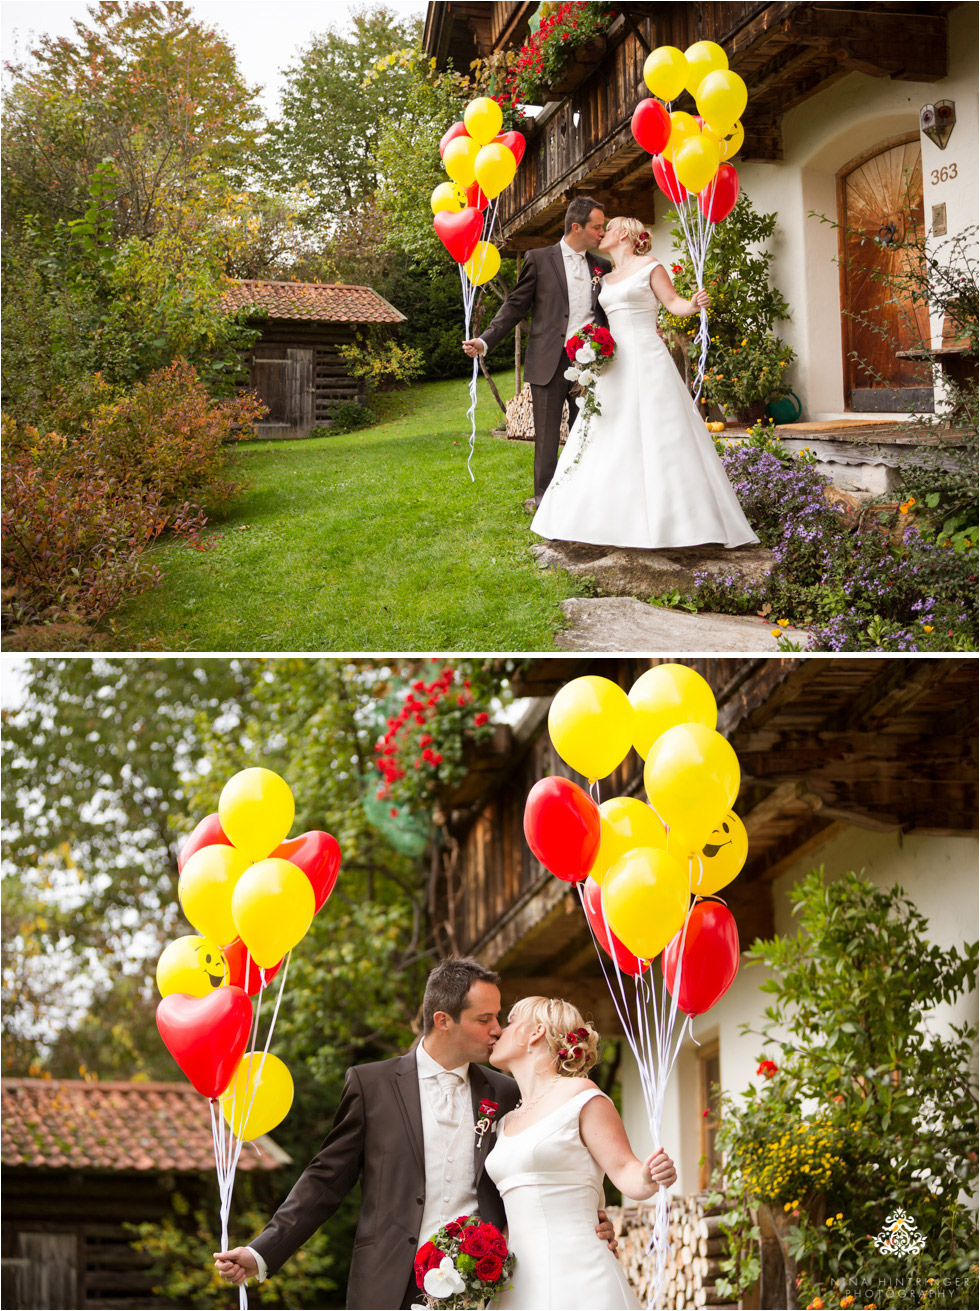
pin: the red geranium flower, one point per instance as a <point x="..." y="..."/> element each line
<point x="767" y="1068"/>
<point x="481" y="719"/>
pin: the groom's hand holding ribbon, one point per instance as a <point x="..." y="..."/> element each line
<point x="474" y="347"/>
<point x="237" y="1265"/>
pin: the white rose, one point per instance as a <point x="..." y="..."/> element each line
<point x="585" y="355"/>
<point x="587" y="378"/>
<point x="571" y="373"/>
<point x="444" y="1281"/>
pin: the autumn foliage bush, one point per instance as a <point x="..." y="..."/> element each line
<point x="88" y="492"/>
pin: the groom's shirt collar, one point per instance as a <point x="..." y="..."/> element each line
<point x="429" y="1068"/>
<point x="568" y="253"/>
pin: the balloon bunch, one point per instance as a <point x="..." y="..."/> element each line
<point x="481" y="162"/>
<point x="646" y="871"/>
<point x="251" y="895"/>
<point x="691" y="151"/>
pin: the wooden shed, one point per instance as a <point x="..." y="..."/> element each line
<point x="296" y="367"/>
<point x="80" y="1160"/>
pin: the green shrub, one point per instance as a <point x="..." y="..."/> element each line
<point x="348" y="416"/>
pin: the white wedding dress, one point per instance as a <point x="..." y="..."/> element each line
<point x="649" y="475"/>
<point x="551" y="1187"/>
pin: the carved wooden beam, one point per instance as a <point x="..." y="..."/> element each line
<point x="905" y="45"/>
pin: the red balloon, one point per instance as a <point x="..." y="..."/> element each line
<point x="460" y="232"/>
<point x="206" y="1036"/>
<point x="318" y="856"/>
<point x="651" y="126"/>
<point x="710" y="960"/>
<point x="718" y="198"/>
<point x="208" y="833"/>
<point x="242" y="970"/>
<point x="475" y="197"/>
<point x="561" y="824"/>
<point x="592" y="901"/>
<point x="666" y="179"/>
<point x="457" y="130"/>
<point x="515" y="142"/>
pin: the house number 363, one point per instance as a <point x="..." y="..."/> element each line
<point x="944" y="174"/>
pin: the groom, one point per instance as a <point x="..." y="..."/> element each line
<point x="560" y="286"/>
<point x="406" y="1128"/>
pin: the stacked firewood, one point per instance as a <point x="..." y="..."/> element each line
<point x="520" y="419"/>
<point x="697" y="1248"/>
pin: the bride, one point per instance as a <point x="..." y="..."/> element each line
<point x="648" y="474"/>
<point x="550" y="1157"/>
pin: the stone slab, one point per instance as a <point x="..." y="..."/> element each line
<point x="617" y="623"/>
<point x="624" y="571"/>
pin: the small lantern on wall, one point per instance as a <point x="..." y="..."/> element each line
<point x="937" y="121"/>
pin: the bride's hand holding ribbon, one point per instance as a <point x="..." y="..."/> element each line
<point x="700" y="300"/>
<point x="660" y="1169"/>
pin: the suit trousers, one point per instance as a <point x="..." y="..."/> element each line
<point x="547" y="403"/>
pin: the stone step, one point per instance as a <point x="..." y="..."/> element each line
<point x="625" y="571"/>
<point x="622" y="624"/>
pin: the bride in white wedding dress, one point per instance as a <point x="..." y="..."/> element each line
<point x="648" y="474"/>
<point x="549" y="1160"/>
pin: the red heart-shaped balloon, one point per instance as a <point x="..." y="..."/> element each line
<point x="515" y="142"/>
<point x="318" y="856"/>
<point x="242" y="970"/>
<point x="561" y="824"/>
<point x="206" y="1036"/>
<point x="666" y="179"/>
<point x="710" y="960"/>
<point x="475" y="197"/>
<point x="718" y="198"/>
<point x="457" y="130"/>
<point x="592" y="901"/>
<point x="208" y="833"/>
<point x="460" y="232"/>
<point x="651" y="126"/>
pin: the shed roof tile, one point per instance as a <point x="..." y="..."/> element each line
<point x="326" y="302"/>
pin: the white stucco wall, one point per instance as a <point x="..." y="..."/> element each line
<point x="820" y="136"/>
<point x="938" y="874"/>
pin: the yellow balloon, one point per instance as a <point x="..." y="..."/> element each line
<point x="591" y="725"/>
<point x="495" y="168"/>
<point x="256" y="809"/>
<point x="729" y="145"/>
<point x="692" y="779"/>
<point x="205" y="887"/>
<point x="256" y="1102"/>
<point x="448" y="196"/>
<point x="645" y="897"/>
<point x="665" y="72"/>
<point x="625" y="823"/>
<point x="191" y="965"/>
<point x="703" y="57"/>
<point x="683" y="127"/>
<point x="721" y="857"/>
<point x="667" y="695"/>
<point x="483" y="119"/>
<point x="696" y="162"/>
<point x="459" y="160"/>
<point x="721" y="99"/>
<point x="273" y="906"/>
<point x="483" y="264"/>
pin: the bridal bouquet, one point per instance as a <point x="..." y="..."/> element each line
<point x="465" y="1264"/>
<point x="589" y="350"/>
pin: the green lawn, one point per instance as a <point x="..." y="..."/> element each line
<point x="370" y="541"/>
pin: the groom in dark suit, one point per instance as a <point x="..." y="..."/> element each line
<point x="560" y="286"/>
<point x="407" y="1129"/>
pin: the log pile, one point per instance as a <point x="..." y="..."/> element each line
<point x="697" y="1248"/>
<point x="520" y="420"/>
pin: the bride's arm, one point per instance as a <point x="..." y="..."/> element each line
<point x="604" y="1135"/>
<point x="663" y="289"/>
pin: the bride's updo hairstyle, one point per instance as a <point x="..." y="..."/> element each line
<point x="635" y="233"/>
<point x="572" y="1041"/>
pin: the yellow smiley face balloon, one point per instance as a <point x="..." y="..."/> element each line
<point x="722" y="857"/>
<point x="192" y="965"/>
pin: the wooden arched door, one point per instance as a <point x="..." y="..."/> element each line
<point x="879" y="197"/>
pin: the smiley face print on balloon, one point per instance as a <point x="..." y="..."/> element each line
<point x="722" y="856"/>
<point x="191" y="965"/>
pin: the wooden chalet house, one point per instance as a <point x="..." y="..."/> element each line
<point x="296" y="367"/>
<point x="80" y="1161"/>
<point x="849" y="763"/>
<point x="832" y="128"/>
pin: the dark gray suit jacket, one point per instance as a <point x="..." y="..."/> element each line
<point x="543" y="289"/>
<point x="377" y="1138"/>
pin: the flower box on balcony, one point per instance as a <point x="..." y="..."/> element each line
<point x="582" y="59"/>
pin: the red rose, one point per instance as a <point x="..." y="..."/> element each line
<point x="572" y="345"/>
<point x="498" y="1244"/>
<point x="454" y="1228"/>
<point x="474" y="1242"/>
<point x="488" y="1268"/>
<point x="427" y="1258"/>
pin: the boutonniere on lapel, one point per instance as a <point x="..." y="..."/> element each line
<point x="488" y="1113"/>
<point x="596" y="278"/>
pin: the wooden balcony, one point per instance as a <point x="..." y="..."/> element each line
<point x="787" y="52"/>
<point x="885" y="745"/>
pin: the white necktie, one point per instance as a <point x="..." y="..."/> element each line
<point x="449" y="1086"/>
